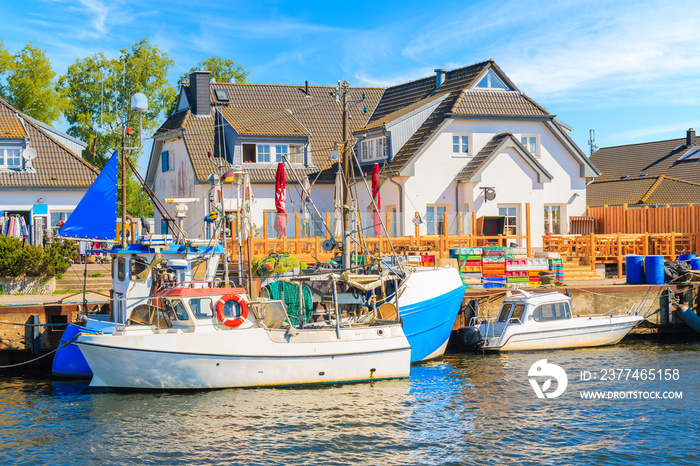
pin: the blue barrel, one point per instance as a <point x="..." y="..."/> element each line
<point x="635" y="270"/>
<point x="654" y="270"/>
<point x="695" y="264"/>
<point x="686" y="257"/>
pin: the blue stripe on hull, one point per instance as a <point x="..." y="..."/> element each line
<point x="428" y="324"/>
<point x="68" y="360"/>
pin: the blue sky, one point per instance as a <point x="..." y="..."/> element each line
<point x="629" y="70"/>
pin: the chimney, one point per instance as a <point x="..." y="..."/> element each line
<point x="690" y="138"/>
<point x="439" y="78"/>
<point x="199" y="92"/>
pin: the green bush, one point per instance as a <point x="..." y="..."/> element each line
<point x="17" y="259"/>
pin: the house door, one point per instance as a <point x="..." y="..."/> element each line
<point x="552" y="219"/>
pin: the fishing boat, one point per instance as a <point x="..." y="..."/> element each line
<point x="206" y="338"/>
<point x="541" y="321"/>
<point x="138" y="269"/>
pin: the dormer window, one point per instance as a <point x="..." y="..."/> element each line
<point x="373" y="149"/>
<point x="492" y="81"/>
<point x="10" y="158"/>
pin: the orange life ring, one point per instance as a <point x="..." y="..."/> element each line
<point x="230" y="321"/>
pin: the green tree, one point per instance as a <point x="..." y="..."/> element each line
<point x="98" y="89"/>
<point x="221" y="70"/>
<point x="29" y="83"/>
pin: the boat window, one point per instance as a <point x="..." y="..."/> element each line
<point x="138" y="265"/>
<point x="518" y="312"/>
<point x="505" y="311"/>
<point x="176" y="310"/>
<point x="202" y="308"/>
<point x="121" y="269"/>
<point x="554" y="311"/>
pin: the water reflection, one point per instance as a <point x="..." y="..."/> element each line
<point x="464" y="409"/>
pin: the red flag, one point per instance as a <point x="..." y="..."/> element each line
<point x="376" y="221"/>
<point x="280" y="198"/>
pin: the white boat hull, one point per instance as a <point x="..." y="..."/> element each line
<point x="579" y="332"/>
<point x="254" y="357"/>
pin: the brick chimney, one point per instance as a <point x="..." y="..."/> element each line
<point x="690" y="138"/>
<point x="199" y="92"/>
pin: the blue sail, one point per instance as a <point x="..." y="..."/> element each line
<point x="95" y="217"/>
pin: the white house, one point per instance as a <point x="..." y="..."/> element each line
<point x="466" y="140"/>
<point x="42" y="173"/>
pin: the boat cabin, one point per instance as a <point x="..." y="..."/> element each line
<point x="532" y="308"/>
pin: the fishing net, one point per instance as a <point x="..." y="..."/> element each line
<point x="497" y="254"/>
<point x="290" y="291"/>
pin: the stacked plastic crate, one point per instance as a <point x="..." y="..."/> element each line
<point x="516" y="272"/>
<point x="557" y="266"/>
<point x="493" y="268"/>
<point x="469" y="262"/>
<point x="534" y="267"/>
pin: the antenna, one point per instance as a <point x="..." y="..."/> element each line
<point x="591" y="141"/>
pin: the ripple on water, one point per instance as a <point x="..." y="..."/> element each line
<point x="464" y="409"/>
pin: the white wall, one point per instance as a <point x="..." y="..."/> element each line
<point x="515" y="181"/>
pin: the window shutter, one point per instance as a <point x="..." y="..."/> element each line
<point x="164" y="160"/>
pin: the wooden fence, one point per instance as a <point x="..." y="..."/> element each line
<point x="622" y="219"/>
<point x="613" y="248"/>
<point x="310" y="250"/>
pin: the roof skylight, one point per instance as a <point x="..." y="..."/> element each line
<point x="692" y="154"/>
<point x="221" y="95"/>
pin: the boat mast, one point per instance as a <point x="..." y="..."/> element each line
<point x="343" y="89"/>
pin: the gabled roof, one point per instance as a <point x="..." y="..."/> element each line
<point x="647" y="190"/>
<point x="463" y="100"/>
<point x="653" y="158"/>
<point x="476" y="166"/>
<point x="55" y="166"/>
<point x="263" y="110"/>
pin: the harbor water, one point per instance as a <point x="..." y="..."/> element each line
<point x="464" y="409"/>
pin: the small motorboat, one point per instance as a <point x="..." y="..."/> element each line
<point x="206" y="338"/>
<point x="539" y="321"/>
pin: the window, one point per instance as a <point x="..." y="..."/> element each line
<point x="373" y="149"/>
<point x="202" y="308"/>
<point x="460" y="144"/>
<point x="296" y="153"/>
<point x="554" y="311"/>
<point x="248" y="153"/>
<point x="176" y="310"/>
<point x="121" y="269"/>
<point x="510" y="227"/>
<point x="138" y="265"/>
<point x="435" y="219"/>
<point x="166" y="162"/>
<point x="505" y="311"/>
<point x="691" y="154"/>
<point x="491" y="81"/>
<point x="221" y="95"/>
<point x="58" y="217"/>
<point x="10" y="158"/>
<point x="552" y="219"/>
<point x="281" y="150"/>
<point x="263" y="153"/>
<point x="518" y="310"/>
<point x="531" y="143"/>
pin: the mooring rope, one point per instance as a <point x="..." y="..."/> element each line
<point x="42" y="356"/>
